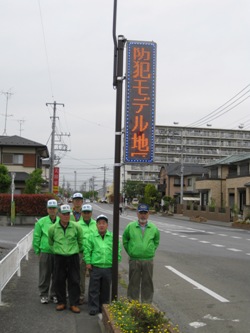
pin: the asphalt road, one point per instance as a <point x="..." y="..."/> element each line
<point x="201" y="273"/>
<point x="10" y="236"/>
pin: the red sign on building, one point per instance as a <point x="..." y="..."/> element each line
<point x="140" y="102"/>
<point x="56" y="180"/>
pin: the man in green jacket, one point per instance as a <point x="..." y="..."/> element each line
<point x="140" y="240"/>
<point x="88" y="226"/>
<point x="46" y="258"/>
<point x="66" y="240"/>
<point x="98" y="256"/>
<point x="76" y="213"/>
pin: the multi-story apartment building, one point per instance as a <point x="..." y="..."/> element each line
<point x="194" y="145"/>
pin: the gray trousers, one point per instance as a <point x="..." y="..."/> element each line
<point x="99" y="288"/>
<point x="141" y="280"/>
<point x="46" y="281"/>
<point x="82" y="275"/>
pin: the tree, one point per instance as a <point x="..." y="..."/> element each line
<point x="34" y="182"/>
<point x="151" y="195"/>
<point x="5" y="179"/>
<point x="134" y="189"/>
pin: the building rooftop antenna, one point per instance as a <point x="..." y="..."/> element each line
<point x="7" y="94"/>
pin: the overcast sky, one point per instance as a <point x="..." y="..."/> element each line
<point x="62" y="50"/>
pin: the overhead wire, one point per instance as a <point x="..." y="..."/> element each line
<point x="45" y="48"/>
<point x="218" y="112"/>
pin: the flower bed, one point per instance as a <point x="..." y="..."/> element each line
<point x="124" y="316"/>
<point x="241" y="225"/>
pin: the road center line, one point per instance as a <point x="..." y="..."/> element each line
<point x="198" y="285"/>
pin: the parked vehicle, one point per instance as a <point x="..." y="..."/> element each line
<point x="135" y="201"/>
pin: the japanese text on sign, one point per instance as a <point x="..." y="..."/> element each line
<point x="56" y="180"/>
<point x="140" y="102"/>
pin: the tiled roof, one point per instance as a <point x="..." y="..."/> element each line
<point x="18" y="141"/>
<point x="230" y="159"/>
<point x="188" y="169"/>
<point x="20" y="176"/>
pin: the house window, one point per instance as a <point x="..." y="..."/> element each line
<point x="17" y="159"/>
<point x="189" y="181"/>
<point x="12" y="158"/>
<point x="244" y="169"/>
<point x="177" y="182"/>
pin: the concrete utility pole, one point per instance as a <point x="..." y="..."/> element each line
<point x="75" y="179"/>
<point x="52" y="151"/>
<point x="7" y="94"/>
<point x="104" y="179"/>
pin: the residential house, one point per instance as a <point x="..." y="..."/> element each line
<point x="228" y="182"/>
<point x="170" y="181"/>
<point x="22" y="156"/>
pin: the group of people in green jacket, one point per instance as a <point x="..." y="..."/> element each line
<point x="70" y="244"/>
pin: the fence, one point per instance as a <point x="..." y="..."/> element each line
<point x="11" y="264"/>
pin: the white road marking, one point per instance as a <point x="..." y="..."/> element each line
<point x="248" y="254"/>
<point x="236" y="237"/>
<point x="234" y="250"/>
<point x="198" y="285"/>
<point x="205" y="242"/>
<point x="217" y="245"/>
<point x="197" y="324"/>
<point x="222" y="235"/>
<point x="193" y="238"/>
<point x="209" y="316"/>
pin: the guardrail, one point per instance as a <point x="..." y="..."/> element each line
<point x="11" y="264"/>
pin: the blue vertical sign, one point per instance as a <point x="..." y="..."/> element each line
<point x="140" y="102"/>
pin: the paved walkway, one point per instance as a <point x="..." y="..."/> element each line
<point x="211" y="222"/>
<point x="22" y="312"/>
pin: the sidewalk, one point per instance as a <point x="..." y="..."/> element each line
<point x="22" y="312"/>
<point x="210" y="222"/>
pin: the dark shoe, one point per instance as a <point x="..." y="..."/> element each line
<point x="92" y="312"/>
<point x="60" y="307"/>
<point x="75" y="309"/>
<point x="81" y="300"/>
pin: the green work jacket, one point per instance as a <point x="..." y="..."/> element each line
<point x="98" y="251"/>
<point x="40" y="236"/>
<point x="66" y="241"/>
<point x="87" y="229"/>
<point x="138" y="245"/>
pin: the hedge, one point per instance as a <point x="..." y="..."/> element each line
<point x="26" y="204"/>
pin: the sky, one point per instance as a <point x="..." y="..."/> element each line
<point x="62" y="50"/>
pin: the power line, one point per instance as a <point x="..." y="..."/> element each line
<point x="224" y="107"/>
<point x="45" y="48"/>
